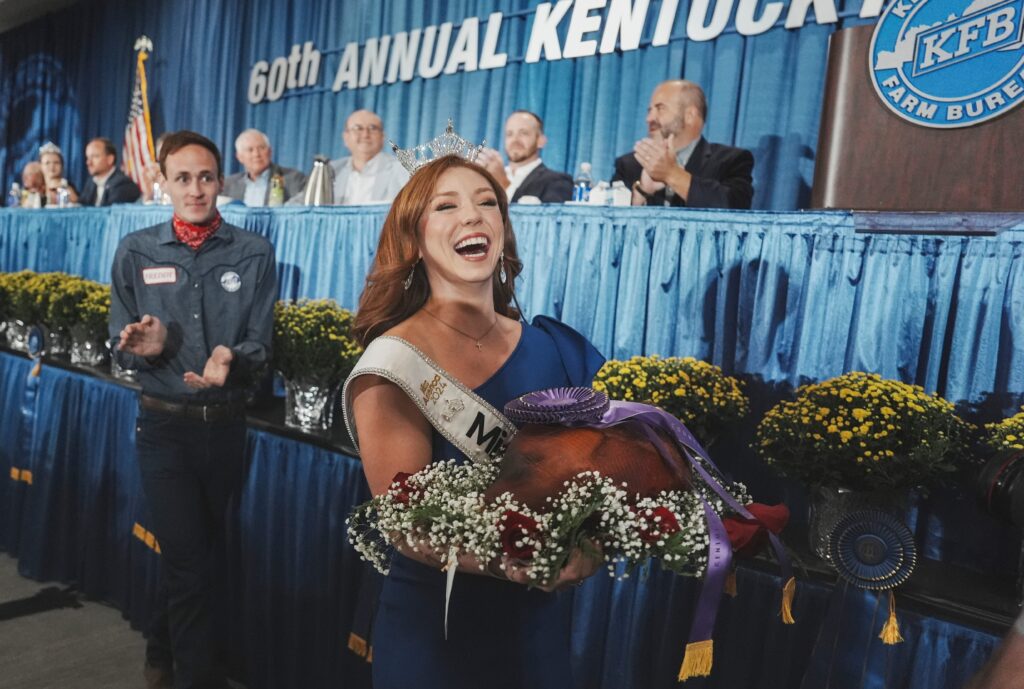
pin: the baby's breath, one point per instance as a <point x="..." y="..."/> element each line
<point x="444" y="506"/>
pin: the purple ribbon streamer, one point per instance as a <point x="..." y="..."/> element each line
<point x="719" y="548"/>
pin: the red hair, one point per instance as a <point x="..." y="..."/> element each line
<point x="385" y="302"/>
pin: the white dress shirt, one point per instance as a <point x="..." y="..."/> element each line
<point x="256" y="190"/>
<point x="101" y="184"/>
<point x="380" y="180"/>
<point x="517" y="176"/>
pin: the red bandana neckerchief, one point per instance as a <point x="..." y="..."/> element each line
<point x="194" y="235"/>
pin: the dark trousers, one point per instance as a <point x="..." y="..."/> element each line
<point x="191" y="470"/>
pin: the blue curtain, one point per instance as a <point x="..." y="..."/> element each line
<point x="780" y="297"/>
<point x="301" y="577"/>
<point x="295" y="577"/>
<point x="68" y="77"/>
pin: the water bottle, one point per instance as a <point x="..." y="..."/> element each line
<point x="14" y="196"/>
<point x="276" y="196"/>
<point x="582" y="184"/>
<point x="158" y="194"/>
<point x="63" y="197"/>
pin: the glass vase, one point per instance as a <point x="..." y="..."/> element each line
<point x="85" y="350"/>
<point x="309" y="404"/>
<point x="58" y="342"/>
<point x="16" y="333"/>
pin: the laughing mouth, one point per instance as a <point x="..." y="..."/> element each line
<point x="473" y="247"/>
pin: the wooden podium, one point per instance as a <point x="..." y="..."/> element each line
<point x="871" y="159"/>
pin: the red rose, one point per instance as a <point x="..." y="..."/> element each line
<point x="520" y="535"/>
<point x="748" y="536"/>
<point x="400" y="489"/>
<point x="657" y="523"/>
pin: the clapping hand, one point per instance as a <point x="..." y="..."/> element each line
<point x="491" y="161"/>
<point x="145" y="338"/>
<point x="658" y="158"/>
<point x="216" y="371"/>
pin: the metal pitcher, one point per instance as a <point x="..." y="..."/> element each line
<point x="320" y="186"/>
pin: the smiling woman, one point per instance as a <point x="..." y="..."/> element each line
<point x="445" y="351"/>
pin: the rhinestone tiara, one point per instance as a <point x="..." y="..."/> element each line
<point x="449" y="143"/>
<point x="50" y="147"/>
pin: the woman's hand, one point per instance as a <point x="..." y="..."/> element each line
<point x="582" y="563"/>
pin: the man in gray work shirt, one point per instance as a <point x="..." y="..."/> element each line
<point x="192" y="305"/>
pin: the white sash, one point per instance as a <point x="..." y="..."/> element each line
<point x="466" y="420"/>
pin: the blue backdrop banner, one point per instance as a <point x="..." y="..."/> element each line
<point x="68" y="77"/>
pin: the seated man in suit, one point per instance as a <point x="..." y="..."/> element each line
<point x="675" y="165"/>
<point x="526" y="175"/>
<point x="106" y="184"/>
<point x="252" y="185"/>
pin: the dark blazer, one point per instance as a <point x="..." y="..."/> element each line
<point x="234" y="185"/>
<point x="546" y="184"/>
<point x="721" y="177"/>
<point x="119" y="189"/>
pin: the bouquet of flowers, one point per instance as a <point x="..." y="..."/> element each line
<point x="546" y="496"/>
<point x="697" y="393"/>
<point x="862" y="432"/>
<point x="443" y="506"/>
<point x="1007" y="434"/>
<point x="313" y="341"/>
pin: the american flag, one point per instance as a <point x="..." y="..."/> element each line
<point x="138" y="137"/>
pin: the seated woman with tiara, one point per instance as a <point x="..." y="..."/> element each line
<point x="52" y="160"/>
<point x="446" y="349"/>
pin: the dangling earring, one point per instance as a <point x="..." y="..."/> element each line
<point x="502" y="275"/>
<point x="407" y="283"/>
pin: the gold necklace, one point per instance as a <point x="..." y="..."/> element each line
<point x="477" y="340"/>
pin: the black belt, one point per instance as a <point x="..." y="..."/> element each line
<point x="209" y="413"/>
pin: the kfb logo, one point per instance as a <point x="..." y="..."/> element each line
<point x="949" y="63"/>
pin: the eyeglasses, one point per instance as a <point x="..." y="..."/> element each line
<point x="370" y="129"/>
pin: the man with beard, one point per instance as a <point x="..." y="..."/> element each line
<point x="675" y="165"/>
<point x="526" y="175"/>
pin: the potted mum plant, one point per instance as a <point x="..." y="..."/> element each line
<point x="313" y="351"/>
<point x="15" y="308"/>
<point x="697" y="393"/>
<point x="860" y="440"/>
<point x="89" y="329"/>
<point x="1000" y="478"/>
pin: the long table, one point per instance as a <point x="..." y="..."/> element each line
<point x="77" y="515"/>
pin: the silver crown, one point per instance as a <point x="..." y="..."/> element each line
<point x="449" y="143"/>
<point x="50" y="147"/>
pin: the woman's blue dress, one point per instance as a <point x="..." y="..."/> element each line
<point x="500" y="635"/>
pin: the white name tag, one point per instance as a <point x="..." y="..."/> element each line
<point x="160" y="276"/>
